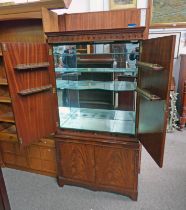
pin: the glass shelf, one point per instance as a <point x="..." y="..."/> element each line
<point x="89" y="54"/>
<point x="98" y="120"/>
<point x="96" y="85"/>
<point x="96" y="70"/>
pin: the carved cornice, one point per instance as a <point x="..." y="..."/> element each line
<point x="136" y="33"/>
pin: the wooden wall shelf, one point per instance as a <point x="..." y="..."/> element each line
<point x="147" y="94"/>
<point x="33" y="66"/>
<point x="9" y="134"/>
<point x="5" y="99"/>
<point x="35" y="90"/>
<point x="7" y="117"/>
<point x="149" y="66"/>
<point x="3" y="82"/>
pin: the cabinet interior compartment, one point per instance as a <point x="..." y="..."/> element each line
<point x="96" y="88"/>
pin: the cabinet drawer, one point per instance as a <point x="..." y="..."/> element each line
<point x="8" y="147"/>
<point x="48" y="166"/>
<point x="8" y="158"/>
<point x="35" y="164"/>
<point x="47" y="154"/>
<point x="8" y="137"/>
<point x="20" y="151"/>
<point x="21" y="161"/>
<point x="34" y="152"/>
<point x="46" y="142"/>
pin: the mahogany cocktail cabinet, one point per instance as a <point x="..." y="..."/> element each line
<point x="99" y="92"/>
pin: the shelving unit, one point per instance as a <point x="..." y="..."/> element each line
<point x="3" y="81"/>
<point x="5" y="99"/>
<point x="7" y="121"/>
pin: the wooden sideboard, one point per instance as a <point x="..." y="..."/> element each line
<point x="83" y="156"/>
<point x="182" y="92"/>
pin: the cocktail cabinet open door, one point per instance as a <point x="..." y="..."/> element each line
<point x="154" y="80"/>
<point x="31" y="84"/>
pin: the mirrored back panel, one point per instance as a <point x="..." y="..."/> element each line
<point x="96" y="86"/>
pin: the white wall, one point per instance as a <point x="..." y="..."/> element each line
<point x="78" y="6"/>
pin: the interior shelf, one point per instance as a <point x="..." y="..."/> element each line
<point x="98" y="120"/>
<point x="7" y="117"/>
<point x="10" y="129"/>
<point x="33" y="66"/>
<point x="5" y="99"/>
<point x="3" y="81"/>
<point x="92" y="85"/>
<point x="96" y="70"/>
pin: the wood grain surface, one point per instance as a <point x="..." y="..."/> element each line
<point x="34" y="113"/>
<point x="152" y="115"/>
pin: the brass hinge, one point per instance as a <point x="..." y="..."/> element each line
<point x="4" y="48"/>
<point x="165" y="108"/>
<point x="50" y="52"/>
<point x="53" y="90"/>
<point x="20" y="140"/>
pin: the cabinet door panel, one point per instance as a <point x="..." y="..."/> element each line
<point x="34" y="152"/>
<point x="30" y="81"/>
<point x="35" y="164"/>
<point x="48" y="166"/>
<point x="9" y="158"/>
<point x="116" y="167"/>
<point x="152" y="114"/>
<point x="48" y="154"/>
<point x="77" y="161"/>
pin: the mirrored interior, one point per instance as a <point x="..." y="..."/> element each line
<point x="96" y="86"/>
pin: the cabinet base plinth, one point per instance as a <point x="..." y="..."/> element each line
<point x="91" y="186"/>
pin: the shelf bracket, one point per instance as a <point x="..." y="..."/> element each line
<point x="146" y="94"/>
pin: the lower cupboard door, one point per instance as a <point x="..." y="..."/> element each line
<point x="116" y="168"/>
<point x="77" y="162"/>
